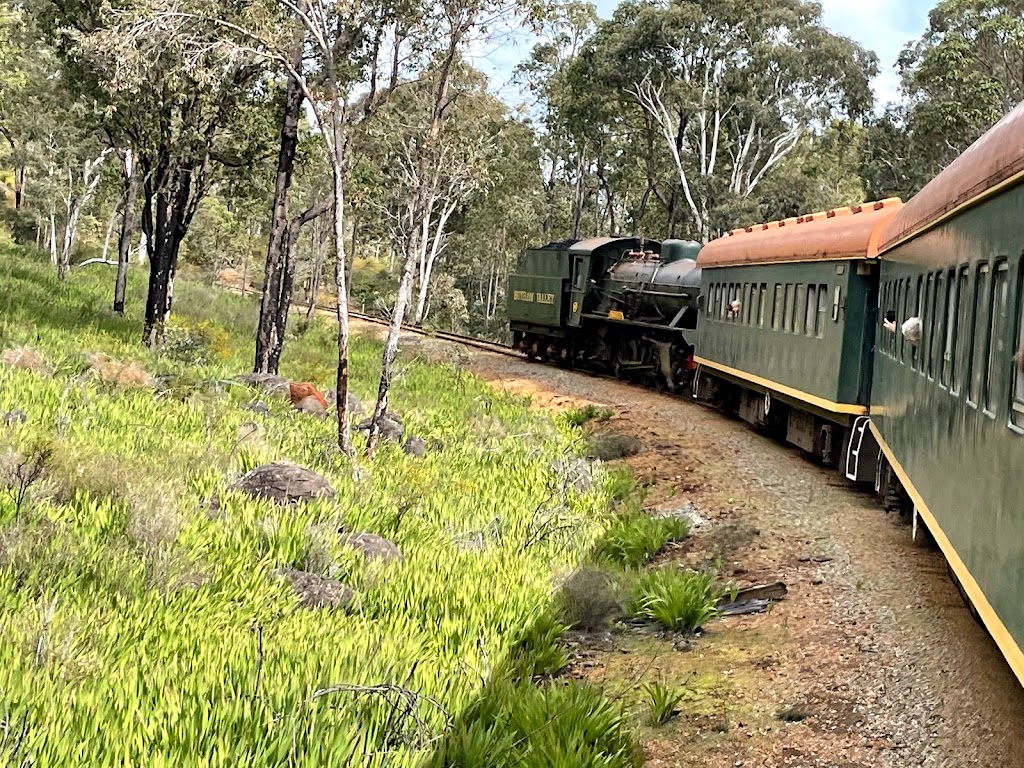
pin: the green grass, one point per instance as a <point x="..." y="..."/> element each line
<point x="635" y="537"/>
<point x="137" y="629"/>
<point x="676" y="599"/>
<point x="661" y="702"/>
<point x="577" y="417"/>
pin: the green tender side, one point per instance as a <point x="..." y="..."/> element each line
<point x="952" y="410"/>
<point x="537" y="290"/>
<point x="824" y="352"/>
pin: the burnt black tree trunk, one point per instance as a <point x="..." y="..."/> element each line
<point x="124" y="241"/>
<point x="277" y="284"/>
<point x="171" y="190"/>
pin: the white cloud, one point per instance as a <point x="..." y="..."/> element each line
<point x="883" y="26"/>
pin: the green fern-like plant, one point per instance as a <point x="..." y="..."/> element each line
<point x="661" y="701"/>
<point x="676" y="599"/>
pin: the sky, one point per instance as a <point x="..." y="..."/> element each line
<point x="883" y="26"/>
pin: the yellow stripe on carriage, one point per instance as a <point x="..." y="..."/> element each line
<point x="818" y="402"/>
<point x="1011" y="651"/>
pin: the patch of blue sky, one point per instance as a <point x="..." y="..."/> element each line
<point x="883" y="26"/>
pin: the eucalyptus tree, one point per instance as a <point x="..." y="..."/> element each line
<point x="963" y="74"/>
<point x="729" y="86"/>
<point x="182" y="108"/>
<point x="449" y="26"/>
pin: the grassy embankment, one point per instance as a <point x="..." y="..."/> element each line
<point x="137" y="628"/>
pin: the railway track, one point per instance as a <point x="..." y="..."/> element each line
<point x="469" y="341"/>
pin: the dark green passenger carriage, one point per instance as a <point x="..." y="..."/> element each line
<point x="787" y="329"/>
<point x="948" y="410"/>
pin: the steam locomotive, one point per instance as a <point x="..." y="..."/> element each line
<point x="885" y="338"/>
<point x="626" y="305"/>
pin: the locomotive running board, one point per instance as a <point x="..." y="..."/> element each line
<point x="862" y="454"/>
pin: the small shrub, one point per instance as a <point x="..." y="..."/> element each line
<point x="588" y="599"/>
<point x="793" y="715"/>
<point x="153" y="520"/>
<point x="577" y="417"/>
<point x="675" y="599"/>
<point x="609" y="447"/>
<point x="637" y="537"/>
<point x="196" y="344"/>
<point x="662" y="700"/>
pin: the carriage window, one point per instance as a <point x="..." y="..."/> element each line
<point x="927" y="325"/>
<point x="901" y="314"/>
<point x="819" y="319"/>
<point x="949" y="331"/>
<point x="749" y="291"/>
<point x="996" y="342"/>
<point x="721" y="301"/>
<point x="885" y="339"/>
<point x="799" y="299"/>
<point x="777" y="308"/>
<point x="979" y="333"/>
<point x="938" y="315"/>
<point x="811" y="309"/>
<point x="917" y="309"/>
<point x="787" y="312"/>
<point x="762" y="305"/>
<point x="1017" y="413"/>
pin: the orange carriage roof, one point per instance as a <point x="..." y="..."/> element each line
<point x="990" y="163"/>
<point x="842" y="233"/>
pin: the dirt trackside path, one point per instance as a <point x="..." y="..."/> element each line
<point x="872" y="658"/>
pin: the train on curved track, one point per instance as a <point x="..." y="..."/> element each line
<point x="886" y="339"/>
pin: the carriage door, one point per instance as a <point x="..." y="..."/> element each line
<point x="580" y="278"/>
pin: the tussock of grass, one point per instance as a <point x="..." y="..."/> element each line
<point x="577" y="417"/>
<point x="661" y="702"/>
<point x="558" y="725"/>
<point x="636" y="537"/>
<point x="676" y="599"/>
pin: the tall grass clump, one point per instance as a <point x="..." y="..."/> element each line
<point x="676" y="599"/>
<point x="145" y="625"/>
<point x="661" y="701"/>
<point x="635" y="537"/>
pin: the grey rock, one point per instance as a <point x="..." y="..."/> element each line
<point x="373" y="547"/>
<point x="15" y="416"/>
<point x="355" y="406"/>
<point x="311" y="406"/>
<point x="575" y="472"/>
<point x="316" y="591"/>
<point x="390" y="427"/>
<point x="414" y="446"/>
<point x="269" y="383"/>
<point x="689" y="514"/>
<point x="283" y="483"/>
<point x="258" y="407"/>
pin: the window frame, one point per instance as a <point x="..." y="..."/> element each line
<point x="980" y="299"/>
<point x="996" y="336"/>
<point x="810" y="308"/>
<point x="1016" y="398"/>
